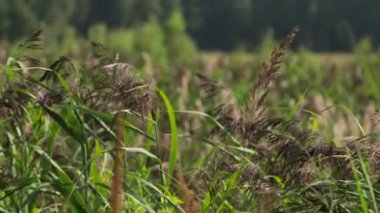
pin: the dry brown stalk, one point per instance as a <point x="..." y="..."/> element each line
<point x="117" y="188"/>
<point x="265" y="202"/>
<point x="190" y="203"/>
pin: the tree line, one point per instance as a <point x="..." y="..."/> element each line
<point x="214" y="24"/>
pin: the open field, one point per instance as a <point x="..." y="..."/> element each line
<point x="270" y="131"/>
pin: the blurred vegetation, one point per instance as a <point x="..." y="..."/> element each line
<point x="224" y="25"/>
<point x="195" y="131"/>
<point x="116" y="105"/>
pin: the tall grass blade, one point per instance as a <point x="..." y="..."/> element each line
<point x="68" y="128"/>
<point x="369" y="182"/>
<point x="64" y="184"/>
<point x="359" y="187"/>
<point x="174" y="136"/>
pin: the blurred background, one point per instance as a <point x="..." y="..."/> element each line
<point x="294" y="149"/>
<point x="213" y="25"/>
<point x="335" y="54"/>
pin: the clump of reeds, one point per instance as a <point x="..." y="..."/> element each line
<point x="283" y="149"/>
<point x="248" y="122"/>
<point x="260" y="159"/>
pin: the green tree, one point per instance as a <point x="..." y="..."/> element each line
<point x="150" y="38"/>
<point x="54" y="15"/>
<point x="181" y="48"/>
<point x="5" y="22"/>
<point x="220" y="24"/>
<point x="22" y="20"/>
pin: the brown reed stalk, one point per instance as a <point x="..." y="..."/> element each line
<point x="190" y="203"/>
<point x="117" y="186"/>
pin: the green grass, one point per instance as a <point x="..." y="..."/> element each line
<point x="306" y="142"/>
